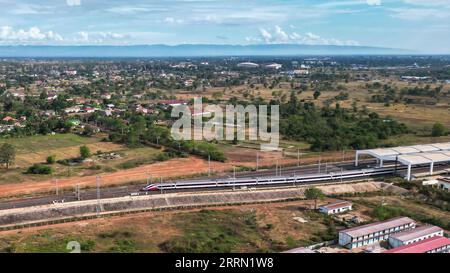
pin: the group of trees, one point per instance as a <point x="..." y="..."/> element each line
<point x="335" y="128"/>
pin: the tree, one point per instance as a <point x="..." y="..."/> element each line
<point x="438" y="130"/>
<point x="85" y="152"/>
<point x="51" y="159"/>
<point x="314" y="194"/>
<point x="7" y="154"/>
<point x="316" y="94"/>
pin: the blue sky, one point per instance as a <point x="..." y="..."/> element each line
<point x="422" y="25"/>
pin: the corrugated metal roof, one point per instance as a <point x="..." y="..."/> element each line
<point x="415" y="233"/>
<point x="377" y="227"/>
<point x="422" y="246"/>
<point x="426" y="148"/>
<point x="424" y="158"/>
<point x="341" y="204"/>
<point x="406" y="150"/>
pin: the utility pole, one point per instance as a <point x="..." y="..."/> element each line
<point x="298" y="157"/>
<point x="257" y="161"/>
<point x="77" y="190"/>
<point x="209" y="165"/>
<point x="234" y="177"/>
<point x="98" y="195"/>
<point x="320" y="158"/>
<point x="276" y="169"/>
<point x="56" y="187"/>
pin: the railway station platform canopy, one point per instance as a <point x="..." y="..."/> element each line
<point x="428" y="154"/>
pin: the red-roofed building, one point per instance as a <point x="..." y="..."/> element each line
<point x="8" y="119"/>
<point x="374" y="233"/>
<point x="437" y="244"/>
<point x="336" y="207"/>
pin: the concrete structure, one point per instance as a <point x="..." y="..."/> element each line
<point x="274" y="66"/>
<point x="373" y="233"/>
<point x="444" y="184"/>
<point x="437" y="244"/>
<point x="441" y="183"/>
<point x="429" y="154"/>
<point x="414" y="235"/>
<point x="299" y="250"/>
<point x="248" y="65"/>
<point x="336" y="207"/>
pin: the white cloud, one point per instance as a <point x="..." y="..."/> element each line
<point x="84" y="37"/>
<point x="126" y="10"/>
<point x="279" y="36"/>
<point x="412" y="14"/>
<point x="171" y="20"/>
<point x="428" y="2"/>
<point x="73" y="2"/>
<point x="32" y="35"/>
<point x="373" y="2"/>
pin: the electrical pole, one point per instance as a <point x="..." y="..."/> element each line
<point x="209" y="165"/>
<point x="257" y="161"/>
<point x="298" y="157"/>
<point x="276" y="169"/>
<point x="234" y="177"/>
<point x="78" y="192"/>
<point x="56" y="187"/>
<point x="320" y="158"/>
<point x="98" y="195"/>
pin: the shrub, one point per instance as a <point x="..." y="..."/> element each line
<point x="85" y="152"/>
<point x="39" y="169"/>
<point x="51" y="159"/>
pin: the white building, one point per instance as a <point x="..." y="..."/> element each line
<point x="444" y="184"/>
<point x="248" y="65"/>
<point x="436" y="244"/>
<point x="337" y="207"/>
<point x="73" y="109"/>
<point x="274" y="66"/>
<point x="373" y="233"/>
<point x="414" y="235"/>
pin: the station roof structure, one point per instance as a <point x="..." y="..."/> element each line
<point x="424" y="158"/>
<point x="394" y="152"/>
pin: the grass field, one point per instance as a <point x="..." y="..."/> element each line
<point x="255" y="228"/>
<point x="35" y="149"/>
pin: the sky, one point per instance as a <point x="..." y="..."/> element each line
<point x="420" y="25"/>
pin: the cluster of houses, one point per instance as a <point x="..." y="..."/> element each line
<point x="397" y="235"/>
<point x="8" y="123"/>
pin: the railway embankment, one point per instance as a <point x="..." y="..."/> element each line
<point x="80" y="210"/>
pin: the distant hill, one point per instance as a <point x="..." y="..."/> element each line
<point x="192" y="50"/>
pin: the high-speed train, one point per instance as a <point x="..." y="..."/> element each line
<point x="269" y="180"/>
